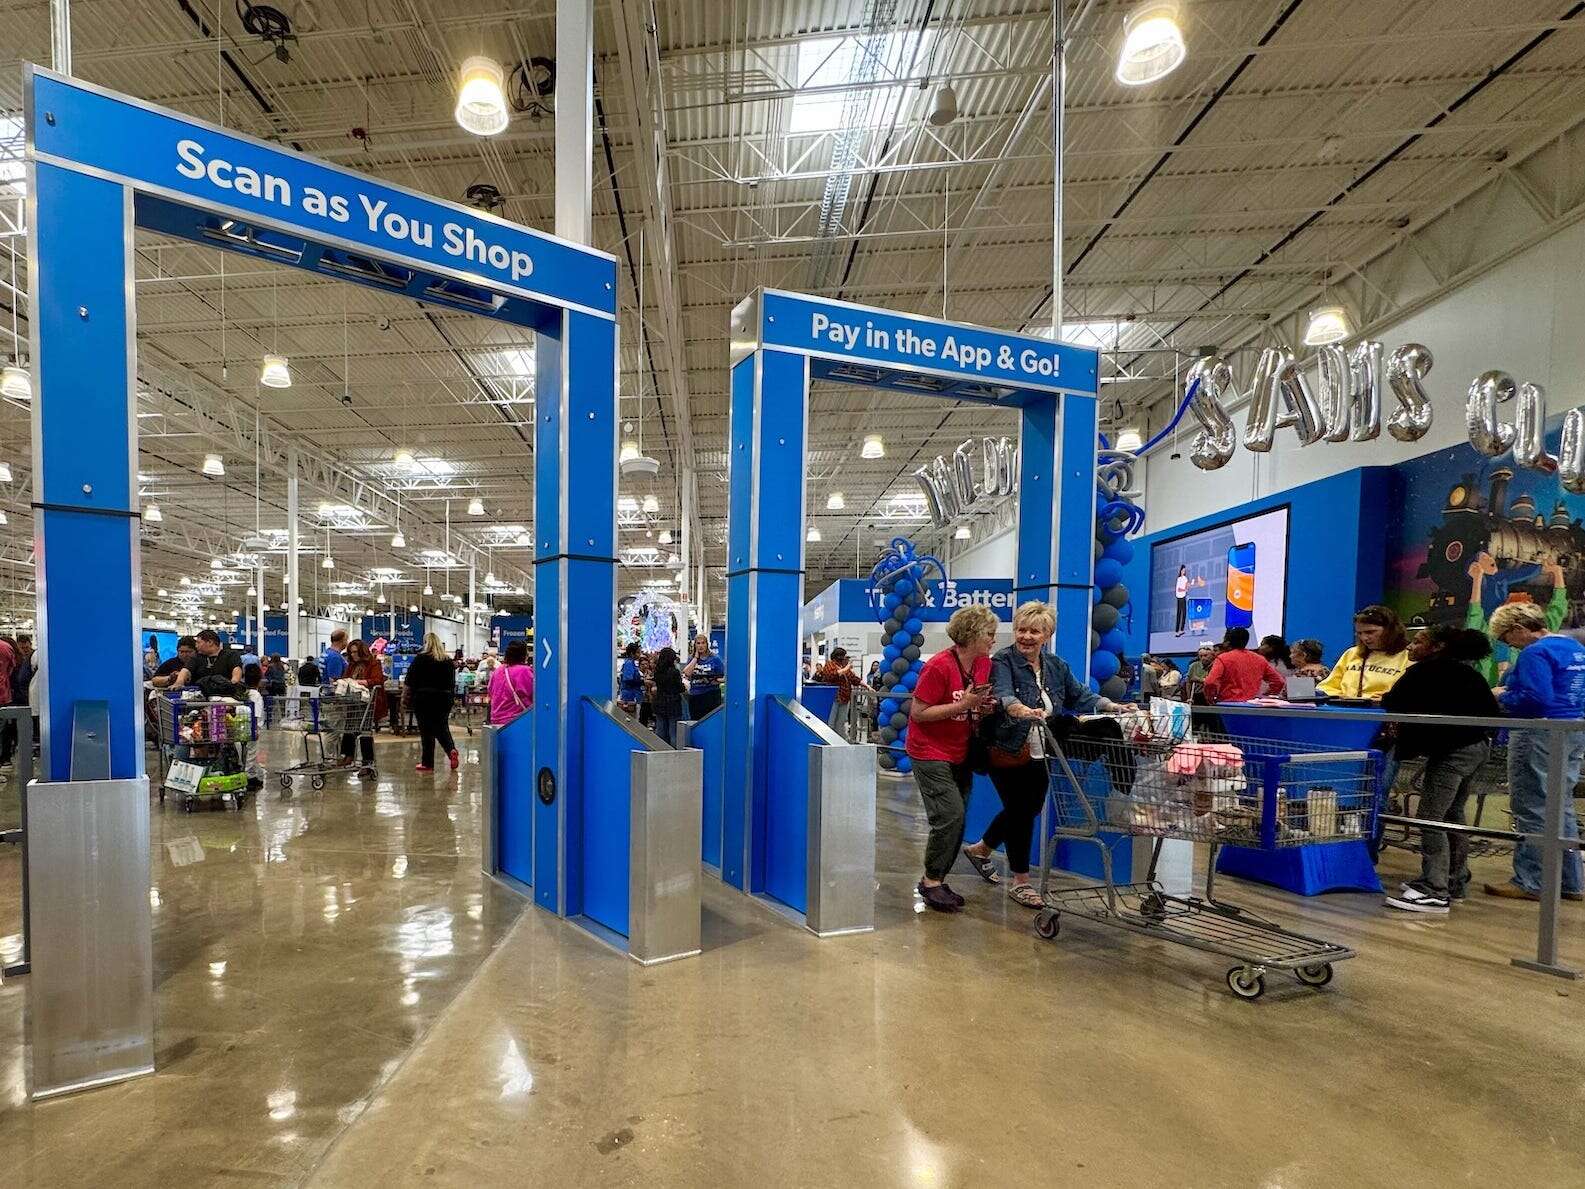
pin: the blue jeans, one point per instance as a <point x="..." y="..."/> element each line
<point x="666" y="728"/>
<point x="1528" y="753"/>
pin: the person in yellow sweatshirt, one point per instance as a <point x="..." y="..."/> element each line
<point x="1378" y="658"/>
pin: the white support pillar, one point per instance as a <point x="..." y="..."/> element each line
<point x="470" y="634"/>
<point x="574" y="118"/>
<point x="258" y="605"/>
<point x="61" y="35"/>
<point x="294" y="629"/>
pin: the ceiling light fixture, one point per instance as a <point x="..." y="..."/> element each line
<point x="275" y="371"/>
<point x="328" y="564"/>
<point x="252" y="591"/>
<point x="214" y="467"/>
<point x="665" y="536"/>
<point x="523" y="539"/>
<point x="836" y="501"/>
<point x="152" y="513"/>
<point x="813" y="534"/>
<point x="15" y="382"/>
<point x="481" y="97"/>
<point x="475" y="507"/>
<point x="1329" y="324"/>
<point x="1152" y="45"/>
<point x="1130" y="441"/>
<point x="963" y="533"/>
<point x="651" y="504"/>
<point x="943" y="106"/>
<point x="162" y="593"/>
<point x="874" y="447"/>
<point x="185" y="581"/>
<point x="404" y="459"/>
<point x="398" y="541"/>
<point x="216" y="564"/>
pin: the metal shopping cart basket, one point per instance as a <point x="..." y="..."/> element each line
<point x="1129" y="776"/>
<point x="319" y="716"/>
<point x="204" y="748"/>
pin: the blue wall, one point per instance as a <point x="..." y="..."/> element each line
<point x="1337" y="555"/>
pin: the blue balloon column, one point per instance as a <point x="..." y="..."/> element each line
<point x="1115" y="519"/>
<point x="898" y="584"/>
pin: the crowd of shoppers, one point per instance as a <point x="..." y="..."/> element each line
<point x="660" y="689"/>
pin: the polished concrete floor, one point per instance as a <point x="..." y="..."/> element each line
<point x="344" y="1001"/>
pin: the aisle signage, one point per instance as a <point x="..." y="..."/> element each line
<point x="163" y="152"/>
<point x="840" y="330"/>
<point x="849" y="601"/>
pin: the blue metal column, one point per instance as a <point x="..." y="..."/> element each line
<point x="575" y="445"/>
<point x="1056" y="518"/>
<point x="769" y="407"/>
<point x="85" y="463"/>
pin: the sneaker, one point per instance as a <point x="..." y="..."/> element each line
<point x="956" y="899"/>
<point x="937" y="897"/>
<point x="454" y="758"/>
<point x="1574" y="895"/>
<point x="423" y="767"/>
<point x="1412" y="899"/>
<point x="1509" y="891"/>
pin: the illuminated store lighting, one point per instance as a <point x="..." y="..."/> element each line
<point x="481" y="97"/>
<point x="1152" y="45"/>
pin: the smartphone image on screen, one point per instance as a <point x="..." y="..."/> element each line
<point x="1241" y="585"/>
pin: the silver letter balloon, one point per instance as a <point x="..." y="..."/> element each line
<point x="1407" y="368"/>
<point x="1486" y="433"/>
<point x="1211" y="378"/>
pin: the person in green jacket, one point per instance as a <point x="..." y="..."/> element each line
<point x="1501" y="656"/>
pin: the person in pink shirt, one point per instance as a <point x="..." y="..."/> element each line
<point x="511" y="685"/>
<point x="1237" y="675"/>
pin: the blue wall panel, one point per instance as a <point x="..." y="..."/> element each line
<point x="709" y="736"/>
<point x="515" y="797"/>
<point x="607" y="778"/>
<point x="787" y="806"/>
<point x="737" y="772"/>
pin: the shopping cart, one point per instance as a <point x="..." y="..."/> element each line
<point x="1129" y="776"/>
<point x="1403" y="799"/>
<point x="204" y="748"/>
<point x="319" y="716"/>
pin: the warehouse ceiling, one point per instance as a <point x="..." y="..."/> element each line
<point x="1306" y="148"/>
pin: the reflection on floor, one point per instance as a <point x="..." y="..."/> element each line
<point x="331" y="1013"/>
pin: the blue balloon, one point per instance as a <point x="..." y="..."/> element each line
<point x="904" y="586"/>
<point x="889" y="707"/>
<point x="1108" y="573"/>
<point x="910" y="679"/>
<point x="891" y="652"/>
<point x="890" y="602"/>
<point x="902" y="640"/>
<point x="1095" y="596"/>
<point x="1121" y="551"/>
<point x="1113" y="641"/>
<point x="904" y="764"/>
<point x="913" y="627"/>
<point x="1104" y="666"/>
<point x="1095" y="686"/>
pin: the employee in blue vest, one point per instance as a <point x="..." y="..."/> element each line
<point x="333" y="665"/>
<point x="705" y="673"/>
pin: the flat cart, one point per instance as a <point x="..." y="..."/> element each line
<point x="204" y="746"/>
<point x="1136" y="780"/>
<point x="320" y="716"/>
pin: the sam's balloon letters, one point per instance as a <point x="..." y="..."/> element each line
<point x="898" y="585"/>
<point x="952" y="488"/>
<point x="1526" y="437"/>
<point x="1344" y="406"/>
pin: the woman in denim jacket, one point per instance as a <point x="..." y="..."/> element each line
<point x="1031" y="687"/>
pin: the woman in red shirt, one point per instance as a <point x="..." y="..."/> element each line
<point x="1237" y="675"/>
<point x="952" y="692"/>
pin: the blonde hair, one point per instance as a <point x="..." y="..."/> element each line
<point x="1035" y="609"/>
<point x="968" y="623"/>
<point x="433" y="647"/>
<point x="1516" y="615"/>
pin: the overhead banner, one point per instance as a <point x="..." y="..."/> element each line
<point x="79" y="126"/>
<point x="849" y="601"/>
<point x="906" y="342"/>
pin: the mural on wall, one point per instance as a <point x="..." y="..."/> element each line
<point x="1473" y="532"/>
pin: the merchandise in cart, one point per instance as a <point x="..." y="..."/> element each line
<point x="322" y="715"/>
<point x="1153" y="779"/>
<point x="204" y="746"/>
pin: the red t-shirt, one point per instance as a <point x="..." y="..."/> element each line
<point x="1239" y="675"/>
<point x="941" y="680"/>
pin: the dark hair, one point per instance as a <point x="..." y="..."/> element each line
<point x="208" y="636"/>
<point x="631" y="650"/>
<point x="1462" y="644"/>
<point x="1384" y="617"/>
<point x="154" y="641"/>
<point x="838" y="655"/>
<point x="251" y="675"/>
<point x="1310" y="647"/>
<point x="187" y="642"/>
<point x="666" y="658"/>
<point x="516" y="653"/>
<point x="1277" y="644"/>
<point x="24" y="637"/>
<point x="1236" y="638"/>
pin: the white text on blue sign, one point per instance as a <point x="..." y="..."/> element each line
<point x="944" y="347"/>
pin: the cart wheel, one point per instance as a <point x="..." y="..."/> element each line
<point x="1317" y="974"/>
<point x="1245" y="983"/>
<point x="1048" y="925"/>
<point x="317" y="783"/>
<point x="286" y="783"/>
<point x="1152" y="905"/>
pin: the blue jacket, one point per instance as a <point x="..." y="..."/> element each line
<point x="1547" y="681"/>
<point x="630" y="686"/>
<point x="1013" y="678"/>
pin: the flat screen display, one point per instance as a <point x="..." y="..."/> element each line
<point x="1234" y="575"/>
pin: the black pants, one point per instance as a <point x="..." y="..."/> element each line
<point x="8" y="740"/>
<point x="1183" y="616"/>
<point x="434" y="725"/>
<point x="367" y="745"/>
<point x="1023" y="793"/>
<point x="700" y="705"/>
<point x="1099" y="739"/>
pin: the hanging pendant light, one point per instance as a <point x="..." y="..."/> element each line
<point x="874" y="447"/>
<point x="398" y="541"/>
<point x="813" y="535"/>
<point x="651" y="504"/>
<point x="15" y="382"/>
<point x="1152" y="45"/>
<point x="216" y="564"/>
<point x="185" y="581"/>
<point x="404" y="459"/>
<point x="665" y="536"/>
<point x="1130" y="441"/>
<point x="475" y="507"/>
<point x="836" y="501"/>
<point x="253" y="592"/>
<point x="152" y="513"/>
<point x="523" y="539"/>
<point x="428" y="590"/>
<point x="1329" y="324"/>
<point x="214" y="467"/>
<point x="328" y="564"/>
<point x="481" y="97"/>
<point x="629" y="451"/>
<point x="275" y="371"/>
<point x="963" y="533"/>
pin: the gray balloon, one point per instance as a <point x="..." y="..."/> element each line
<point x="1100" y="548"/>
<point x="911" y="653"/>
<point x="899" y="666"/>
<point x="892" y="626"/>
<point x="1095" y="641"/>
<point x="888" y="680"/>
<point x="1117" y="596"/>
<point x="1114" y="688"/>
<point x="886" y="759"/>
<point x="1103" y="617"/>
<point x="898" y="721"/>
<point x="905" y="707"/>
<point x="888" y="735"/>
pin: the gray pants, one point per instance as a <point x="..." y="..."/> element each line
<point x="945" y="789"/>
<point x="837" y="720"/>
<point x="1444" y="856"/>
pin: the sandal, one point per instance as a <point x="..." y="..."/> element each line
<point x="985" y="867"/>
<point x="1025" y="894"/>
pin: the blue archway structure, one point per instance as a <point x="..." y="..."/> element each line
<point x="101" y="165"/>
<point x="780" y="342"/>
